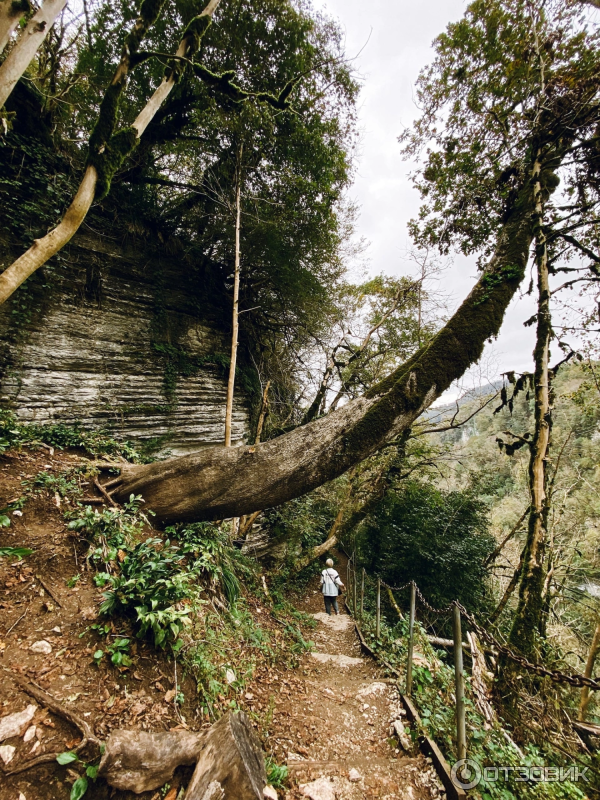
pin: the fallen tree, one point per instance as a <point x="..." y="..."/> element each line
<point x="474" y="196"/>
<point x="220" y="482"/>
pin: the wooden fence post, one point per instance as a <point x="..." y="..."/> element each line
<point x="378" y="623"/>
<point x="354" y="593"/>
<point x="459" y="678"/>
<point x="411" y="636"/>
<point x="362" y="594"/>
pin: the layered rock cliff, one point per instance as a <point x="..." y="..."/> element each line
<point x="125" y="339"/>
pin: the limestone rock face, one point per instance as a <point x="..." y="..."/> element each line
<point x="129" y="340"/>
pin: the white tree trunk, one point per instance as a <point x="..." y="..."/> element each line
<point x="26" y="47"/>
<point x="9" y="19"/>
<point x="44" y="248"/>
<point x="235" y="321"/>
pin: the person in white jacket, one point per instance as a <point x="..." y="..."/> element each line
<point x="330" y="586"/>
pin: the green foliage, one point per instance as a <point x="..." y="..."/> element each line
<point x="277" y="774"/>
<point x="64" y="483"/>
<point x="438" y="539"/>
<point x="152" y="581"/>
<point x="233" y="640"/>
<point x="5" y="513"/>
<point x="109" y="531"/>
<point x="118" y="652"/>
<point x="433" y="695"/>
<point x="15" y="434"/>
<point x="81" y="784"/>
<point x="10" y="431"/>
<point x="301" y="524"/>
<point x="494" y="93"/>
<point x="14" y="552"/>
<point x="156" y="580"/>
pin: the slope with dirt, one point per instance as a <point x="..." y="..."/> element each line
<point x="333" y="715"/>
<point x="327" y="715"/>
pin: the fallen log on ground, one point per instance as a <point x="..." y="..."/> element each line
<point x="231" y="761"/>
<point x="139" y="761"/>
<point x="228" y="757"/>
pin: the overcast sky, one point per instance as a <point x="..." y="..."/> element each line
<point x="395" y="38"/>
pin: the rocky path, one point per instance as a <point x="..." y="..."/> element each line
<point x="333" y="722"/>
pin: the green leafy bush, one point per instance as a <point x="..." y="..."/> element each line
<point x="438" y="539"/>
<point x="110" y="530"/>
<point x="157" y="580"/>
<point x="209" y="550"/>
<point x="277" y="774"/>
<point x="14" y="434"/>
<point x="14" y="552"/>
<point x="153" y="579"/>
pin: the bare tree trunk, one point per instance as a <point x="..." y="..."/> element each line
<point x="11" y="14"/>
<point x="362" y="347"/>
<point x="589" y="668"/>
<point x="528" y="620"/>
<point x="315" y="407"/>
<point x="236" y="296"/>
<point x="246" y="523"/>
<point x="264" y="410"/>
<point x="44" y="248"/>
<point x="395" y="605"/>
<point x="220" y="482"/>
<point x="332" y="539"/>
<point x="493" y="556"/>
<point x="512" y="585"/>
<point x="27" y="45"/>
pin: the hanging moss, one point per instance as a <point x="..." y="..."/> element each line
<point x="107" y="150"/>
<point x="196" y="30"/>
<point x="107" y="163"/>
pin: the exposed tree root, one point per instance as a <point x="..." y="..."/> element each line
<point x="52" y="704"/>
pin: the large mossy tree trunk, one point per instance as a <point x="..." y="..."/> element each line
<point x="220" y="482"/>
<point x="528" y="623"/>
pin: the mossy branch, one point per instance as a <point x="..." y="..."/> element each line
<point x="224" y="83"/>
<point x="108" y="150"/>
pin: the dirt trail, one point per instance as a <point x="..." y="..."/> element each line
<point x="337" y="718"/>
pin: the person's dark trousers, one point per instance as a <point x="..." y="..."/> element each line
<point x="331" y="602"/>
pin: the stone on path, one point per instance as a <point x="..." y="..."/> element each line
<point x="340" y="660"/>
<point x="7" y="753"/>
<point x="372" y="689"/>
<point x="13" y="724"/>
<point x="269" y="793"/>
<point x="29" y="733"/>
<point x="41" y="647"/>
<point x="354" y="775"/>
<point x="401" y="734"/>
<point x="341" y="622"/>
<point x="320" y="789"/>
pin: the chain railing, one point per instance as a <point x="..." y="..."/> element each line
<point x="458" y="612"/>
